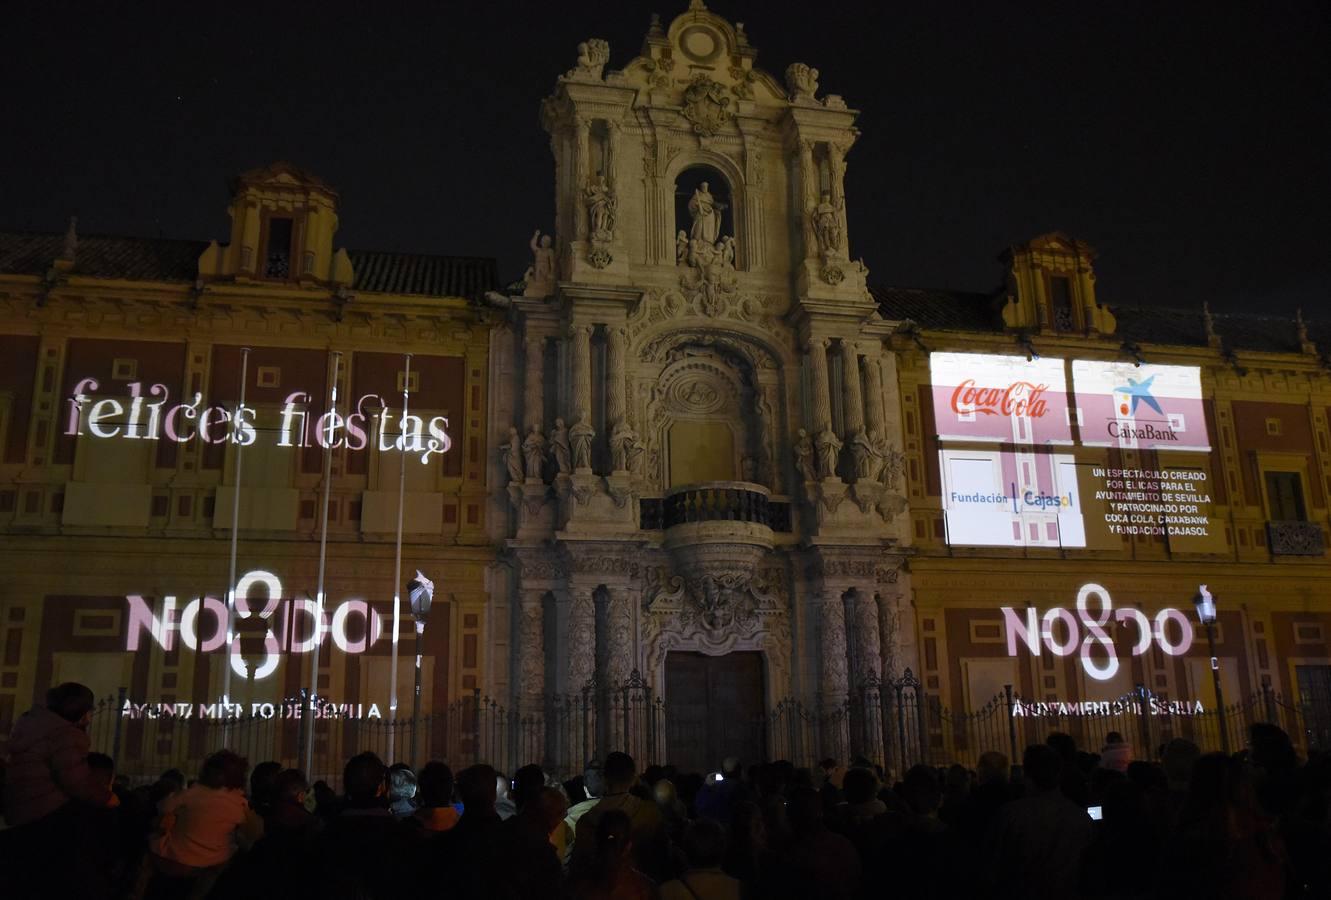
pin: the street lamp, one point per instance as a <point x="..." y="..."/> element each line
<point x="1205" y="604"/>
<point x="420" y="592"/>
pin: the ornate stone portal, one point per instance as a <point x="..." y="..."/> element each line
<point x="689" y="495"/>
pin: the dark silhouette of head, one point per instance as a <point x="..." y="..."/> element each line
<point x="102" y="766"/>
<point x="860" y="785"/>
<point x="477" y="790"/>
<point x="527" y="784"/>
<point x="992" y="768"/>
<point x="263" y="783"/>
<point x="290" y="786"/>
<point x="1064" y="745"/>
<point x="805" y="809"/>
<point x="224" y="770"/>
<point x="1042" y="766"/>
<point x="436" y="784"/>
<point x="620" y="772"/>
<point x="71" y="701"/>
<point x="363" y="781"/>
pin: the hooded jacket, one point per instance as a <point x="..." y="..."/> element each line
<point x="48" y="767"/>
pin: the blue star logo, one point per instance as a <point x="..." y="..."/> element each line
<point x="1140" y="392"/>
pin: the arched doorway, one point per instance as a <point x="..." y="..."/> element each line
<point x="714" y="709"/>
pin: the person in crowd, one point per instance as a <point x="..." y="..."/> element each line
<point x="48" y="770"/>
<point x="722" y="791"/>
<point x="363" y="851"/>
<point x="1036" y="843"/>
<point x="651" y="846"/>
<point x="593" y="785"/>
<point x="289" y="816"/>
<point x="263" y="786"/>
<point x="1072" y="781"/>
<point x="436" y="812"/>
<point x="202" y="828"/>
<point x="1116" y="753"/>
<point x="748" y="857"/>
<point x="532" y="866"/>
<point x="609" y="873"/>
<point x="528" y="782"/>
<point x="861" y="804"/>
<point x="704" y="849"/>
<point x="401" y="791"/>
<point x="469" y="851"/>
<point x="817" y="863"/>
<point x="326" y="803"/>
<point x="1224" y="845"/>
<point x="673" y="813"/>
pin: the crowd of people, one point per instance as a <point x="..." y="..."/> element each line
<point x="1066" y="823"/>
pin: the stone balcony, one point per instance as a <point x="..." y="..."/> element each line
<point x="1295" y="539"/>
<point x="718" y="528"/>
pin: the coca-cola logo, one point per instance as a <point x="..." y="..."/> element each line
<point x="1021" y="398"/>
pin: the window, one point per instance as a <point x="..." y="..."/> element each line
<point x="277" y="262"/>
<point x="124" y="369"/>
<point x="269" y="376"/>
<point x="1060" y="302"/>
<point x="1284" y="497"/>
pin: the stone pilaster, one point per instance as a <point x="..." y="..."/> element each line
<point x="533" y="391"/>
<point x="616" y="340"/>
<point x="582" y="639"/>
<point x="821" y="406"/>
<point x="833" y="688"/>
<point x="853" y="415"/>
<point x="873" y="386"/>
<point x="581" y="161"/>
<point x="866" y="648"/>
<point x="582" y="373"/>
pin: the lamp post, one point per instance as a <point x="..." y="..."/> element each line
<point x="1205" y="604"/>
<point x="420" y="592"/>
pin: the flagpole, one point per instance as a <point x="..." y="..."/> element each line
<point x="236" y="433"/>
<point x="335" y="368"/>
<point x="397" y="558"/>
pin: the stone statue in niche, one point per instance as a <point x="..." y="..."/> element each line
<point x="863" y="456"/>
<point x="748" y="469"/>
<point x="593" y="54"/>
<point x="580" y="436"/>
<point x="682" y="248"/>
<point x="601" y="207"/>
<point x="622" y="439"/>
<point x="725" y="252"/>
<point x="513" y="456"/>
<point x="801" y="82"/>
<point x="829" y="448"/>
<point x="540" y="277"/>
<point x="560" y="450"/>
<point x="706" y="213"/>
<point x="804" y="459"/>
<point x="827" y="225"/>
<point x="533" y="449"/>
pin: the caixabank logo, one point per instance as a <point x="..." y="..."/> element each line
<point x="1140" y="407"/>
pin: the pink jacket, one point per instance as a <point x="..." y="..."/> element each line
<point x="204" y="826"/>
<point x="48" y="767"/>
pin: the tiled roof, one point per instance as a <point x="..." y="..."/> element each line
<point x="99" y="256"/>
<point x="431" y="276"/>
<point x="944" y="310"/>
<point x="1237" y="331"/>
<point x="173" y="260"/>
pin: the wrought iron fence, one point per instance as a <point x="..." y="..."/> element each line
<point x="894" y="724"/>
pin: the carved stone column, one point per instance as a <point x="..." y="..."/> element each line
<point x="616" y="341"/>
<point x="808" y="195"/>
<point x="581" y="162"/>
<point x="612" y="153"/>
<point x="531" y="666"/>
<point x="533" y="394"/>
<point x="836" y="160"/>
<point x="833" y="686"/>
<point x="864" y="634"/>
<point x="581" y="664"/>
<point x="873" y="385"/>
<point x="854" y="403"/>
<point x="582" y="373"/>
<point x="821" y="407"/>
<point x="896" y="631"/>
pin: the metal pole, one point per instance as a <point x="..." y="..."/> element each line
<point x="334" y="366"/>
<point x="1011" y="724"/>
<point x="236" y="432"/>
<point x="397" y="557"/>
<point x="1219" y="697"/>
<point x="416" y="700"/>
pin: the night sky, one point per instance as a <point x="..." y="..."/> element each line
<point x="1189" y="143"/>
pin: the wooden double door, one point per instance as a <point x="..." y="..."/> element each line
<point x="715" y="708"/>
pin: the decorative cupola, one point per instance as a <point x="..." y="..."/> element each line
<point x="1051" y="287"/>
<point x="282" y="224"/>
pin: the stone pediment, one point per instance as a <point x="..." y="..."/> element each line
<point x="703" y="64"/>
